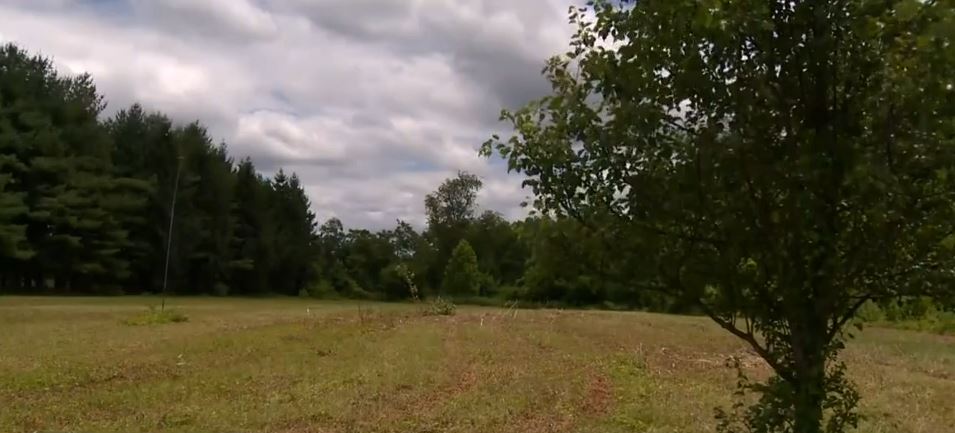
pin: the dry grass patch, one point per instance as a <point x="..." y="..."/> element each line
<point x="292" y="365"/>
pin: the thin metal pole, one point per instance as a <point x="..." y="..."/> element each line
<point x="172" y="218"/>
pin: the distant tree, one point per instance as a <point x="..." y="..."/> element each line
<point x="332" y="249"/>
<point x="296" y="236"/>
<point x="86" y="204"/>
<point x="778" y="163"/>
<point x="462" y="276"/>
<point x="207" y="231"/>
<point x="143" y="150"/>
<point x="413" y="253"/>
<point x="367" y="254"/>
<point x="501" y="253"/>
<point x="450" y="210"/>
<point x="254" y="238"/>
<point x="454" y="202"/>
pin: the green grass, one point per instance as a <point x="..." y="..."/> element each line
<point x="156" y="316"/>
<point x="298" y="365"/>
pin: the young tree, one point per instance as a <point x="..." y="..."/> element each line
<point x="780" y="163"/>
<point x="462" y="276"/>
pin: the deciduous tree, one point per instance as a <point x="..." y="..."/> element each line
<point x="780" y="162"/>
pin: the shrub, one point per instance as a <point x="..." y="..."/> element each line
<point x="320" y="289"/>
<point x="355" y="291"/>
<point x="392" y="282"/>
<point x="870" y="312"/>
<point x="487" y="286"/>
<point x="462" y="276"/>
<point x="155" y="316"/>
<point x="440" y="307"/>
<point x="918" y="314"/>
<point x="512" y="293"/>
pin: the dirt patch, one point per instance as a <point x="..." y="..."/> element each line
<point x="599" y="396"/>
<point x="543" y="423"/>
<point x="678" y="360"/>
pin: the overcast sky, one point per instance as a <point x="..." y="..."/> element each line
<point x="372" y="102"/>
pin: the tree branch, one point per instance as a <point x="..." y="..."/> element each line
<point x="750" y="338"/>
<point x="837" y="325"/>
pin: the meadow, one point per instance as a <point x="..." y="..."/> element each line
<point x="297" y="365"/>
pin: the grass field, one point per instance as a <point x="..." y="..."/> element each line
<point x="289" y="365"/>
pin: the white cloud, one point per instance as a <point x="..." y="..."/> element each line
<point x="372" y="102"/>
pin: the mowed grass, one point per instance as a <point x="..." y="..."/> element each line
<point x="289" y="365"/>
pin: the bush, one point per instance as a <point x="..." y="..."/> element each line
<point x="155" y="316"/>
<point x="870" y="312"/>
<point x="462" y="276"/>
<point x="512" y="293"/>
<point x="322" y="289"/>
<point x="917" y="314"/>
<point x="440" y="307"/>
<point x="392" y="282"/>
<point x="486" y="284"/>
<point x="357" y="292"/>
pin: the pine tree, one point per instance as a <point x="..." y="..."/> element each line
<point x="13" y="245"/>
<point x="141" y="142"/>
<point x="254" y="239"/>
<point x="59" y="155"/>
<point x="295" y="234"/>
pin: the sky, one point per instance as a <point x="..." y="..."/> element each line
<point x="371" y="102"/>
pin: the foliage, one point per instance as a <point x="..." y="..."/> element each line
<point x="156" y="316"/>
<point x="86" y="204"/>
<point x="440" y="306"/>
<point x="462" y="276"/>
<point x="775" y="164"/>
<point x="918" y="313"/>
<point x="450" y="211"/>
<point x="870" y="312"/>
<point x="774" y="411"/>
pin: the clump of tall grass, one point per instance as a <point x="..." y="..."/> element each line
<point x="156" y="316"/>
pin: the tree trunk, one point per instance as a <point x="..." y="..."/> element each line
<point x="809" y="364"/>
<point x="809" y="398"/>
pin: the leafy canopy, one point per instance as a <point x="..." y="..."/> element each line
<point x="781" y="162"/>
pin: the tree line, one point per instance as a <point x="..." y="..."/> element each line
<point x="86" y="207"/>
<point x="467" y="254"/>
<point x="86" y="204"/>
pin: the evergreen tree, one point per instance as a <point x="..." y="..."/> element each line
<point x="295" y="237"/>
<point x="13" y="241"/>
<point x="254" y="236"/>
<point x="462" y="276"/>
<point x="87" y="205"/>
<point x="142" y="152"/>
<point x="58" y="154"/>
